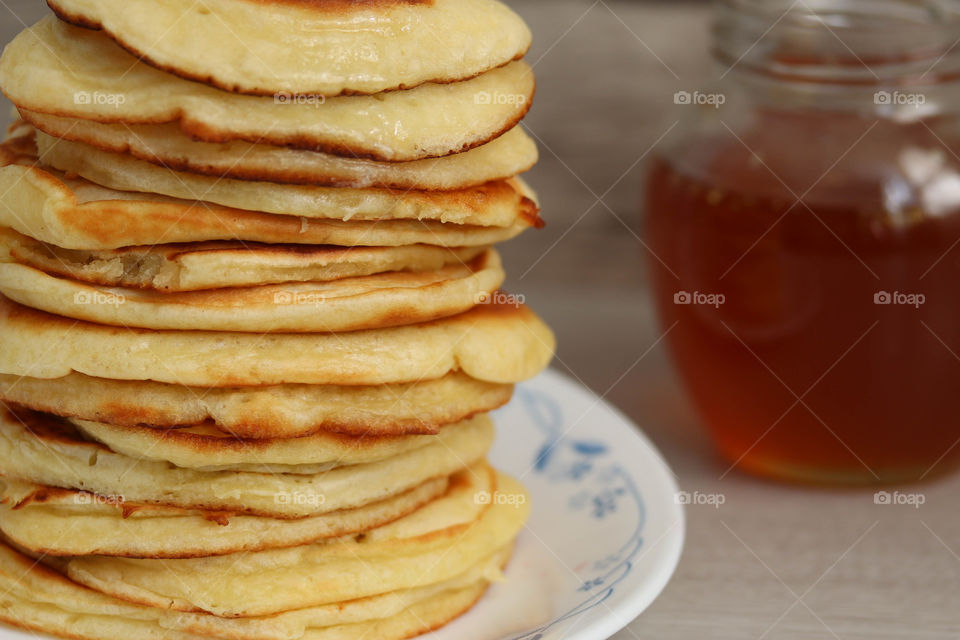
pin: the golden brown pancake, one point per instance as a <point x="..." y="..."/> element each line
<point x="42" y="450"/>
<point x="35" y="518"/>
<point x="74" y="213"/>
<point x="329" y="48"/>
<point x="348" y="304"/>
<point x="205" y="448"/>
<point x="263" y="412"/>
<point x="99" y="81"/>
<point x="214" y="265"/>
<point x="34" y="597"/>
<point x="498" y="343"/>
<point x="165" y="145"/>
<point x="433" y="544"/>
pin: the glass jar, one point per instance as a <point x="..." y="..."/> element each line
<point x="804" y="235"/>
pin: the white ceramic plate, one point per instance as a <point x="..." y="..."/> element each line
<point x="605" y="533"/>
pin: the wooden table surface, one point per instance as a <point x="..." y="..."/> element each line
<point x="773" y="561"/>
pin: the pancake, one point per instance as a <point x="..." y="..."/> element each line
<point x="394" y="126"/>
<point x="433" y="544"/>
<point x="500" y="204"/>
<point x="34" y="597"/>
<point x="41" y="450"/>
<point x="278" y="411"/>
<point x="74" y="213"/>
<point x="213" y="265"/>
<point x="381" y="300"/>
<point x="497" y="343"/>
<point x="35" y="517"/>
<point x="292" y="623"/>
<point x="207" y="449"/>
<point x="165" y="145"/>
<point x="329" y="48"/>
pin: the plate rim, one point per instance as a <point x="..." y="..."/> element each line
<point x="635" y="601"/>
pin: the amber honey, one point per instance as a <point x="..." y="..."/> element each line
<point x="835" y="354"/>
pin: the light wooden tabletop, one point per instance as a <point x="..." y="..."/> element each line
<point x="772" y="561"/>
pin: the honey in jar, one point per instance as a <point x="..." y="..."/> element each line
<point x="804" y="234"/>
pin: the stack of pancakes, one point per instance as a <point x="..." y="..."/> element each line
<point x="250" y="317"/>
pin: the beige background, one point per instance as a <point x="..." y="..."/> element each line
<point x="773" y="561"/>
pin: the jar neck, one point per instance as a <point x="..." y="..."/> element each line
<point x="896" y="58"/>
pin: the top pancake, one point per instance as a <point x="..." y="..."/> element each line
<point x="56" y="69"/>
<point x="328" y="48"/>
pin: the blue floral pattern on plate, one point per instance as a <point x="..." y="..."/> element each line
<point x="603" y="488"/>
<point x="604" y="534"/>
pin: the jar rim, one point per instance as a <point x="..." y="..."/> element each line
<point x="874" y="42"/>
